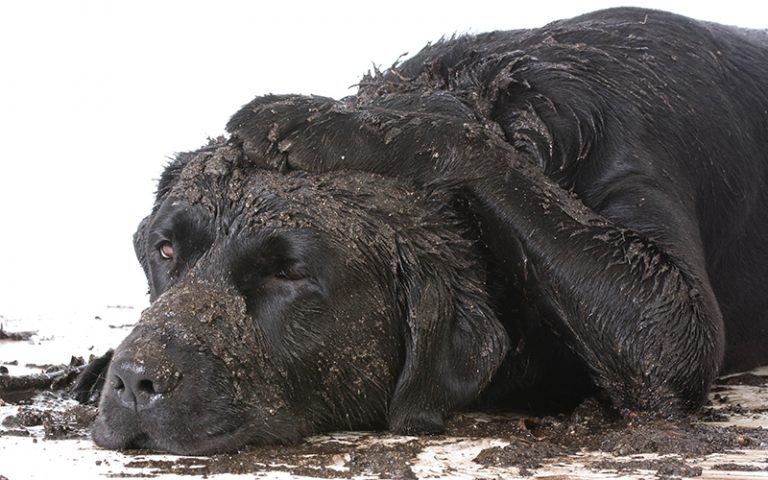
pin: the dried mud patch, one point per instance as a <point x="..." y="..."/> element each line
<point x="737" y="467"/>
<point x="663" y="468"/>
<point x="526" y="456"/>
<point x="320" y="458"/>
<point x="679" y="442"/>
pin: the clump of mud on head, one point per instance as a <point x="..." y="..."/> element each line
<point x="281" y="311"/>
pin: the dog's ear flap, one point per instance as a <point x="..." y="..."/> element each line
<point x="453" y="341"/>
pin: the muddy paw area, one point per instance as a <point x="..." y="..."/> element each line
<point x="44" y="432"/>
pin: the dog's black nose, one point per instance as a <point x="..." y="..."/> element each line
<point x="138" y="384"/>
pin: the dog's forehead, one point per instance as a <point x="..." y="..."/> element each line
<point x="225" y="184"/>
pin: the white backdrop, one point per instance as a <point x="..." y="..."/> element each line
<point x="96" y="95"/>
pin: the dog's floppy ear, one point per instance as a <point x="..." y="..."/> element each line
<point x="453" y="341"/>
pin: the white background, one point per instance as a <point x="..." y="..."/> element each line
<point x="95" y="96"/>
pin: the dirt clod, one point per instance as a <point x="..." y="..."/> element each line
<point x="664" y="468"/>
<point x="524" y="455"/>
<point x="738" y="467"/>
<point x="385" y="461"/>
<point x="29" y="417"/>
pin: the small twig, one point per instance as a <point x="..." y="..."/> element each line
<point x="14" y="335"/>
<point x="41" y="381"/>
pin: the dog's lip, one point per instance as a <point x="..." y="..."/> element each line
<point x="212" y="442"/>
<point x="211" y="439"/>
<point x="208" y="443"/>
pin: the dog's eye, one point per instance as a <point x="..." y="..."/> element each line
<point x="290" y="274"/>
<point x="166" y="250"/>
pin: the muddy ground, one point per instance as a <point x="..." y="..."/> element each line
<point x="519" y="444"/>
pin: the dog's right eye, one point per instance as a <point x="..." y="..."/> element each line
<point x="290" y="274"/>
<point x="166" y="250"/>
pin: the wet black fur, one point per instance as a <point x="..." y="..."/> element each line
<point x="613" y="167"/>
<point x="296" y="304"/>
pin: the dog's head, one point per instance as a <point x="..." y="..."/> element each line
<point x="287" y="304"/>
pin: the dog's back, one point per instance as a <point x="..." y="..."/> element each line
<point x="656" y="121"/>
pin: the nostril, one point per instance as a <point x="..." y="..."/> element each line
<point x="140" y="385"/>
<point x="146" y="386"/>
<point x="117" y="383"/>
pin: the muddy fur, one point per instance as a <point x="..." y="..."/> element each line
<point x="567" y="211"/>
<point x="277" y="281"/>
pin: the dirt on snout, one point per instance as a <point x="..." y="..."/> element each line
<point x="519" y="444"/>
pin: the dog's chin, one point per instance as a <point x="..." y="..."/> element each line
<point x="193" y="438"/>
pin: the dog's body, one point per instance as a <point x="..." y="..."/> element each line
<point x="610" y="172"/>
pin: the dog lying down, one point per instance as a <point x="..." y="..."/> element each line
<point x="512" y="219"/>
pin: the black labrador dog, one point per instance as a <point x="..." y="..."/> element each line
<point x="510" y="219"/>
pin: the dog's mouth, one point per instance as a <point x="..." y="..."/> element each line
<point x="219" y="436"/>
